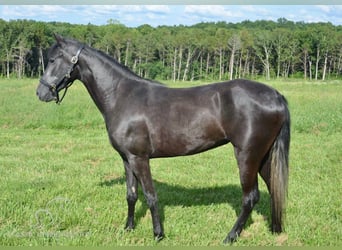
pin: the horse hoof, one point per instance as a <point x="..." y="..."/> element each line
<point x="159" y="237"/>
<point x="230" y="239"/>
<point x="129" y="228"/>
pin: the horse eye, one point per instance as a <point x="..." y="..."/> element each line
<point x="52" y="60"/>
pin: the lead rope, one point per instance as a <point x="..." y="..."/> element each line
<point x="59" y="100"/>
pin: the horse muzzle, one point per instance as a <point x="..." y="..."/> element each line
<point x="46" y="94"/>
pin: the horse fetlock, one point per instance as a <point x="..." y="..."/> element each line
<point x="276" y="228"/>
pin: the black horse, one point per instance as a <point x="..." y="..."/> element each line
<point x="145" y="120"/>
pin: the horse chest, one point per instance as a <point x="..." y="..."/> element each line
<point x="131" y="136"/>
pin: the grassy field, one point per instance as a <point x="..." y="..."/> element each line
<point x="63" y="184"/>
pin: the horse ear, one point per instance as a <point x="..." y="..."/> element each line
<point x="60" y="40"/>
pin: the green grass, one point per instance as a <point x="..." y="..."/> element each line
<point x="63" y="184"/>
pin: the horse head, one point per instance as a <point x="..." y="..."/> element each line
<point x="61" y="70"/>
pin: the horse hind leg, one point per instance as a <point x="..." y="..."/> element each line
<point x="249" y="182"/>
<point x="265" y="171"/>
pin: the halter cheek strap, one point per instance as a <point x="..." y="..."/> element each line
<point x="74" y="61"/>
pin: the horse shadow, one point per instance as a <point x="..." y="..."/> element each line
<point x="177" y="195"/>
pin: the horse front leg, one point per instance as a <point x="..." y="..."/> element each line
<point x="141" y="169"/>
<point x="132" y="195"/>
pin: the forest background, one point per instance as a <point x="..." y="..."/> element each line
<point x="204" y="51"/>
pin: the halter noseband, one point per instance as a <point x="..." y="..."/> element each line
<point x="55" y="86"/>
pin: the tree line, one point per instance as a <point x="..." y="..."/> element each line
<point x="205" y="51"/>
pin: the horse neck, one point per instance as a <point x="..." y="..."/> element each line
<point x="101" y="76"/>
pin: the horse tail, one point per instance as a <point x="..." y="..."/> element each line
<point x="279" y="172"/>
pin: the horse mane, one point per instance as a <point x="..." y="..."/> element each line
<point x="107" y="59"/>
<point x="112" y="60"/>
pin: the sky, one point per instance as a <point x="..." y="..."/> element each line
<point x="155" y="15"/>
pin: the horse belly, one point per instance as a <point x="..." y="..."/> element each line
<point x="185" y="139"/>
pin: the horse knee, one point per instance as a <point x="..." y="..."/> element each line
<point x="132" y="198"/>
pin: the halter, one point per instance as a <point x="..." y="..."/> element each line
<point x="60" y="82"/>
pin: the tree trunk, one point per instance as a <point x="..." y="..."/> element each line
<point x="234" y="44"/>
<point x="201" y="67"/>
<point x="305" y="63"/>
<point x="266" y="63"/>
<point x="174" y="71"/>
<point x="41" y="61"/>
<point x="135" y="65"/>
<point x="21" y="62"/>
<point x="187" y="65"/>
<point x="127" y="52"/>
<point x="264" y="58"/>
<point x="139" y="67"/>
<point x="317" y="63"/>
<point x="310" y="69"/>
<point x="240" y="65"/>
<point x="325" y="66"/>
<point x="246" y="66"/>
<point x="207" y="66"/>
<point x="220" y="64"/>
<point x="339" y="65"/>
<point x="253" y="67"/>
<point x="231" y="63"/>
<point x="278" y="64"/>
<point x="8" y="64"/>
<point x="180" y="63"/>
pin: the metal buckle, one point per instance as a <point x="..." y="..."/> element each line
<point x="74" y="59"/>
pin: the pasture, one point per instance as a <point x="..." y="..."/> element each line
<point x="63" y="184"/>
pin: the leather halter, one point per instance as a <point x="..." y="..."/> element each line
<point x="58" y="85"/>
